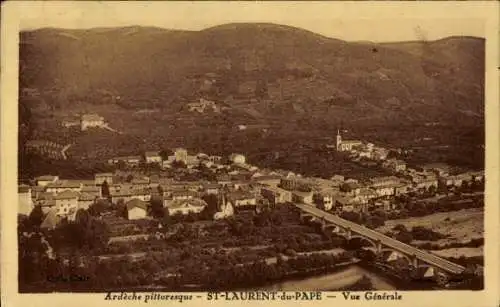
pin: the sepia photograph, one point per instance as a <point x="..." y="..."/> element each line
<point x="165" y="150"/>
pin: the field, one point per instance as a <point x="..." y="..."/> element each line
<point x="458" y="252"/>
<point x="459" y="226"/>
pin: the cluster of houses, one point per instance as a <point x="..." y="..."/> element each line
<point x="237" y="185"/>
<point x="339" y="194"/>
<point x="62" y="198"/>
<point x="202" y="106"/>
<point x="58" y="198"/>
<point x="359" y="149"/>
<point x="180" y="155"/>
<point x="431" y="175"/>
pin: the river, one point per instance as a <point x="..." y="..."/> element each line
<point x="333" y="281"/>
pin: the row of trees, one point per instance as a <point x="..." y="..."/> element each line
<point x="171" y="268"/>
<point x="372" y="220"/>
<point x="401" y="233"/>
<point x="418" y="209"/>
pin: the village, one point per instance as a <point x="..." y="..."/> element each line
<point x="138" y="181"/>
<point x="182" y="217"/>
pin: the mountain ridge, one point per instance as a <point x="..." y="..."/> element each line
<point x="316" y="75"/>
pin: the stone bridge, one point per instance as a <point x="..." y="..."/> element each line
<point x="379" y="243"/>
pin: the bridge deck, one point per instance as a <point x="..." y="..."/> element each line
<point x="387" y="241"/>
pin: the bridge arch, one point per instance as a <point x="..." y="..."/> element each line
<point x="360" y="238"/>
<point x="334" y="229"/>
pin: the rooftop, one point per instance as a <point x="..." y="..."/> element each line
<point x="104" y="174"/>
<point x="66" y="195"/>
<point x="64" y="184"/>
<point x="136" y="203"/>
<point x="303" y="194"/>
<point x="179" y="203"/>
<point x="46" y="178"/>
<point x="212" y="186"/>
<point x="51" y="219"/>
<point x="140" y="181"/>
<point x="86" y="196"/>
<point x="266" y="177"/>
<point x="128" y="158"/>
<point x="91" y="189"/>
<point x="45" y="196"/>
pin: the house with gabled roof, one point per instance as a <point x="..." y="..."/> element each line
<point x="96" y="192"/>
<point x="85" y="200"/>
<point x="51" y="219"/>
<point x="184" y="206"/>
<point x="136" y="209"/>
<point x="66" y="203"/>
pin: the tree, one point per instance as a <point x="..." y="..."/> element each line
<point x="129" y="178"/>
<point x="178" y="164"/>
<point x="345" y="187"/>
<point x="351" y="216"/>
<point x="105" y="190"/>
<point x="98" y="207"/>
<point x="405" y="237"/>
<point x="212" y="202"/>
<point x="160" y="190"/>
<point x="157" y="207"/>
<point x="36" y="217"/>
<point x="166" y="220"/>
<point x="32" y="257"/>
<point x="392" y="154"/>
<point x="400" y="228"/>
<point x="432" y="190"/>
<point x="164" y="153"/>
<point x="82" y="217"/>
<point x="121" y="208"/>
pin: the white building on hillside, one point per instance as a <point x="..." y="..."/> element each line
<point x="25" y="201"/>
<point x="181" y="155"/>
<point x="91" y="120"/>
<point x="237" y="158"/>
<point x="152" y="157"/>
<point x="136" y="209"/>
<point x="346" y="145"/>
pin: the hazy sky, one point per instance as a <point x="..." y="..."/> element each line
<point x="355" y="21"/>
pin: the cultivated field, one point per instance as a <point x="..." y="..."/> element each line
<point x="460" y="226"/>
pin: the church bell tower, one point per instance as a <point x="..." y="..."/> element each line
<point x="339" y="140"/>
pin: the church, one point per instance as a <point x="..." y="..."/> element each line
<point x="346" y="145"/>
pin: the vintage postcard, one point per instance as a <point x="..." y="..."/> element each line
<point x="321" y="153"/>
